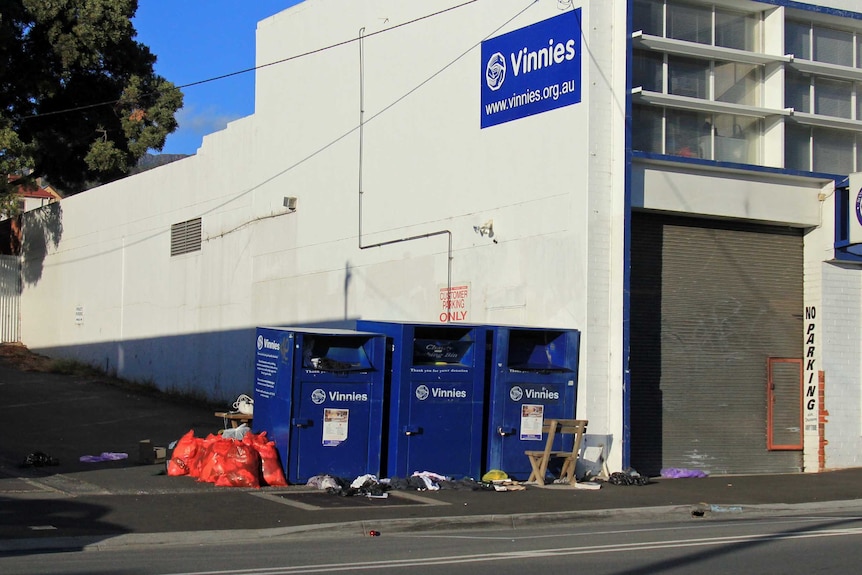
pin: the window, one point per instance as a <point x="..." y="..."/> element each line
<point x="797" y="39"/>
<point x="735" y="30"/>
<point x="688" y="77"/>
<point x="736" y="138"/>
<point x="797" y="91"/>
<point x="833" y="46"/>
<point x="833" y="150"/>
<point x="186" y="237"/>
<point x="694" y="23"/>
<point x="820" y="44"/>
<point x="720" y="137"/>
<point x="797" y="147"/>
<point x="686" y="132"/>
<point x="830" y="97"/>
<point x="647" y="70"/>
<point x="820" y="149"/>
<point x="737" y="83"/>
<point x="648" y="16"/>
<point x="833" y="97"/>
<point x="734" y="102"/>
<point x="690" y="23"/>
<point x="647" y="131"/>
<point x="734" y="82"/>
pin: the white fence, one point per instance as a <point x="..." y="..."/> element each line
<point x="10" y="296"/>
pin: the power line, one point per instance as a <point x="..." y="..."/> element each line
<point x="228" y="198"/>
<point x="385" y="108"/>
<point x="254" y="68"/>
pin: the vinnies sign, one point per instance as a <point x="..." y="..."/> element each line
<point x="532" y="70"/>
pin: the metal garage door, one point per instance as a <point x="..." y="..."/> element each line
<point x="711" y="302"/>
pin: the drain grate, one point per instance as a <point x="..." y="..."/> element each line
<point x="329" y="501"/>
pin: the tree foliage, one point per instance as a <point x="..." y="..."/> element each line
<point x="79" y="99"/>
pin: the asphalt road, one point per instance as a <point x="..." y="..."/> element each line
<point x="786" y="545"/>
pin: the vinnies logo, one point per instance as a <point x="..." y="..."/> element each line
<point x="495" y="71"/>
<point x="318" y="396"/>
<point x="516" y="393"/>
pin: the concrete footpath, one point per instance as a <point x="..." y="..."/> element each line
<point x="105" y="504"/>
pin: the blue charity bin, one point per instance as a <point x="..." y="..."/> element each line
<point x="325" y="408"/>
<point x="534" y="377"/>
<point x="436" y="398"/>
<point x="273" y="383"/>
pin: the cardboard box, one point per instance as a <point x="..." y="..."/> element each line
<point x="149" y="455"/>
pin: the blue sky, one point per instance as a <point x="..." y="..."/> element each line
<point x="199" y="39"/>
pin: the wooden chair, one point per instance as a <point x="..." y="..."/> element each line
<point x="539" y="459"/>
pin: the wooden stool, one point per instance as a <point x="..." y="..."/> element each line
<point x="234" y="417"/>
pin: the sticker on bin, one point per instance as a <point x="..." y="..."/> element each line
<point x="335" y="424"/>
<point x="532" y="417"/>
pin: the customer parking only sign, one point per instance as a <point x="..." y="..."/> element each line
<point x="532" y="70"/>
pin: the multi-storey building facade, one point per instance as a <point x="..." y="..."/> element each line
<point x="743" y="116"/>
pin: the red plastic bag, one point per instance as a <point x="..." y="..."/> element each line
<point x="185" y="451"/>
<point x="242" y="468"/>
<point x="203" y="454"/>
<point x="228" y="462"/>
<point x="270" y="466"/>
<point x="211" y="460"/>
<point x="238" y="478"/>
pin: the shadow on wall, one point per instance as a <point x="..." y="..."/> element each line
<point x="646" y="399"/>
<point x="40" y="228"/>
<point x="214" y="366"/>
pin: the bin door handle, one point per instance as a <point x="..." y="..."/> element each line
<point x="504" y="431"/>
<point x="411" y="430"/>
<point x="301" y="423"/>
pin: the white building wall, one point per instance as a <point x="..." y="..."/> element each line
<point x="837" y="335"/>
<point x="728" y="195"/>
<point x="833" y="293"/>
<point x="604" y="250"/>
<point x="840" y="316"/>
<point x="818" y="247"/>
<point x="109" y="293"/>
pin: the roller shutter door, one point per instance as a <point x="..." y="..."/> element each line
<point x="710" y="303"/>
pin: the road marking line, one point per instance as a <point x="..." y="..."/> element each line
<point x="513" y="555"/>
